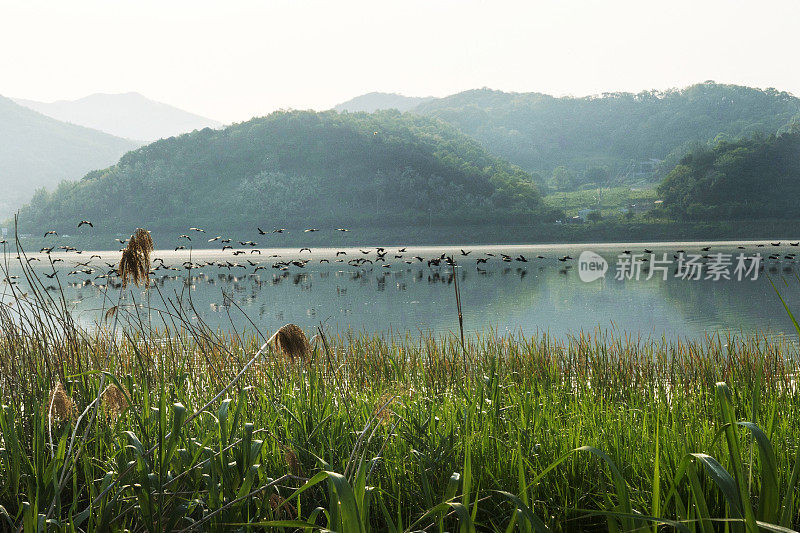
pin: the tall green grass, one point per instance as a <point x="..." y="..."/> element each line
<point x="389" y="433"/>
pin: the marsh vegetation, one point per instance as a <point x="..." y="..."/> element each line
<point x="153" y="422"/>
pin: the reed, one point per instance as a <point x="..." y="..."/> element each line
<point x="211" y="430"/>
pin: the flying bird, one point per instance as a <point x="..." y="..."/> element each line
<point x="185" y="237"/>
<point x="342" y="229"/>
<point x="197" y="229"/>
<point x="86" y="222"/>
<point x="310" y="230"/>
<point x="261" y="231"/>
<point x="301" y="250"/>
<point x="51" y="232"/>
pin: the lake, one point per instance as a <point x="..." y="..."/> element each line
<point x="535" y="289"/>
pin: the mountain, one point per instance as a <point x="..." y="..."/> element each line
<point x="128" y="115"/>
<point x="613" y="137"/>
<point x="371" y="102"/>
<point x="38" y="151"/>
<point x="751" y="178"/>
<point x="298" y="168"/>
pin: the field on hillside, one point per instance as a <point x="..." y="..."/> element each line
<point x="610" y="201"/>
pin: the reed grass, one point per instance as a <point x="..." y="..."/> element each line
<point x="210" y="430"/>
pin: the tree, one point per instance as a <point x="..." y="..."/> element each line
<point x="597" y="175"/>
<point x="563" y="178"/>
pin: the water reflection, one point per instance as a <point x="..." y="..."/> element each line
<point x="519" y="289"/>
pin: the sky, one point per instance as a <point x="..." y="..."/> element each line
<point x="233" y="60"/>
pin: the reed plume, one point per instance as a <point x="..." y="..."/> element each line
<point x="114" y="401"/>
<point x="383" y="407"/>
<point x="292" y="342"/>
<point x="134" y="265"/>
<point x="281" y="508"/>
<point x="292" y="461"/>
<point x="61" y="406"/>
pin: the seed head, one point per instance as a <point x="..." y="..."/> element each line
<point x="60" y="405"/>
<point x="114" y="401"/>
<point x="293" y="342"/>
<point x="134" y="265"/>
<point x="280" y="507"/>
<point x="292" y="462"/>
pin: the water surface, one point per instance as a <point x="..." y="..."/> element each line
<point x="402" y="293"/>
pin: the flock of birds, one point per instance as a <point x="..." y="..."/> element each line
<point x="104" y="275"/>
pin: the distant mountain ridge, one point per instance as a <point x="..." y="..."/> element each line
<point x="39" y="151"/>
<point x="129" y="115"/>
<point x="610" y="135"/>
<point x="540" y="132"/>
<point x="376" y="101"/>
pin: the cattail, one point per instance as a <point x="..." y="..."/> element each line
<point x="134" y="265"/>
<point x="292" y="342"/>
<point x="61" y="406"/>
<point x="114" y="401"/>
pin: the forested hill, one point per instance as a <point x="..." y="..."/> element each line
<point x="540" y="132"/>
<point x="753" y="178"/>
<point x="297" y="168"/>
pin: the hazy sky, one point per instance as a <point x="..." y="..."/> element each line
<point x="234" y="59"/>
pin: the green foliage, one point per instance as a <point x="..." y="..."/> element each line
<point x="610" y="201"/>
<point x="746" y="179"/>
<point x="563" y="178"/>
<point x="376" y="433"/>
<point x="302" y="167"/>
<point x="540" y="132"/>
